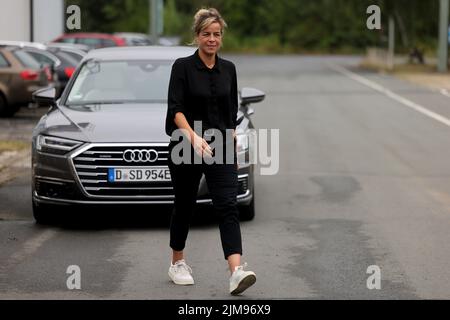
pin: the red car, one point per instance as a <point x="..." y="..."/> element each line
<point x="92" y="40"/>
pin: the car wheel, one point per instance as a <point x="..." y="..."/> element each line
<point x="5" y="109"/>
<point x="247" y="213"/>
<point x="42" y="213"/>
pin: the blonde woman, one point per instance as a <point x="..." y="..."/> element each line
<point x="203" y="88"/>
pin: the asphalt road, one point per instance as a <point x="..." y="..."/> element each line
<point x="363" y="180"/>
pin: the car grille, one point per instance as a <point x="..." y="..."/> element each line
<point x="92" y="169"/>
<point x="55" y="189"/>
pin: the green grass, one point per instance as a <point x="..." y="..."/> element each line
<point x="13" y="145"/>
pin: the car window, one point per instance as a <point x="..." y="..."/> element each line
<point x="41" y="58"/>
<point x="141" y="42"/>
<point x="91" y="42"/>
<point x="26" y="60"/>
<point x="121" y="81"/>
<point x="66" y="58"/>
<point x="75" y="56"/>
<point x="67" y="40"/>
<point x="108" y="43"/>
<point x="129" y="41"/>
<point x="3" y="62"/>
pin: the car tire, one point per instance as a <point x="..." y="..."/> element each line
<point x="42" y="213"/>
<point x="247" y="213"/>
<point x="5" y="109"/>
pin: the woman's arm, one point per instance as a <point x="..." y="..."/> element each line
<point x="200" y="145"/>
<point x="177" y="110"/>
<point x="234" y="104"/>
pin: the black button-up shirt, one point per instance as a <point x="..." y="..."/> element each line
<point x="203" y="94"/>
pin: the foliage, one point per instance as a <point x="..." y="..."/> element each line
<point x="278" y="26"/>
<point x="113" y="15"/>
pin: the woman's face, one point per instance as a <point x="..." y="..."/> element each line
<point x="209" y="39"/>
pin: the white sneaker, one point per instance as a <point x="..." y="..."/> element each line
<point x="241" y="280"/>
<point x="180" y="273"/>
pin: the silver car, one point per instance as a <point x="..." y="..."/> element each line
<point x="103" y="142"/>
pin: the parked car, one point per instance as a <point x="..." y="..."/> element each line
<point x="57" y="65"/>
<point x="69" y="61"/>
<point x="169" y="41"/>
<point x="92" y="40"/>
<point x="135" y="39"/>
<point x="20" y="76"/>
<point x="61" y="65"/>
<point x="114" y="106"/>
<point x="62" y="62"/>
<point x="23" y="44"/>
<point x="74" y="54"/>
<point x="78" y="47"/>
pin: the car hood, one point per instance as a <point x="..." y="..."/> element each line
<point x="109" y="123"/>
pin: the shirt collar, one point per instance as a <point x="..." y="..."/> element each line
<point x="201" y="65"/>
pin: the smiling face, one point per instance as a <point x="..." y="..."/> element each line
<point x="209" y="39"/>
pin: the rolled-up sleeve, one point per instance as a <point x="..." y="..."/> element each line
<point x="176" y="96"/>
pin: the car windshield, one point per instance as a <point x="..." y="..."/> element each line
<point x="111" y="82"/>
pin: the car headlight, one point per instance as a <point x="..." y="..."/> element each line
<point x="55" y="145"/>
<point x="242" y="142"/>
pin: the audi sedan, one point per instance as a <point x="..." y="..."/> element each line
<point x="103" y="142"/>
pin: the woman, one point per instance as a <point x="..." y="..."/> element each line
<point x="203" y="88"/>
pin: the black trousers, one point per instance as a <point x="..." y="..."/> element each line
<point x="223" y="187"/>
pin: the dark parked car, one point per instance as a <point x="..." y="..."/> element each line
<point x="69" y="61"/>
<point x="76" y="54"/>
<point x="62" y="64"/>
<point x="104" y="142"/>
<point x="20" y="75"/>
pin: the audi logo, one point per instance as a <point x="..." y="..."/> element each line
<point x="143" y="155"/>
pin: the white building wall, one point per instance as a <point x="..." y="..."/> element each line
<point x="48" y="19"/>
<point x="15" y="20"/>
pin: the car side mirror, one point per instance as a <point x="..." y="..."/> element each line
<point x="45" y="97"/>
<point x="251" y="95"/>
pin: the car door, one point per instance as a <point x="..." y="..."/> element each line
<point x="4" y="74"/>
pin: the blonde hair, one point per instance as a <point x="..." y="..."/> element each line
<point x="205" y="17"/>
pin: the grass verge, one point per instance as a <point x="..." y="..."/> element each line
<point x="13" y="145"/>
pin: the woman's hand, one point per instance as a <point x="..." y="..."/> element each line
<point x="201" y="147"/>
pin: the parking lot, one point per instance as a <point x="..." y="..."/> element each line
<point x="363" y="181"/>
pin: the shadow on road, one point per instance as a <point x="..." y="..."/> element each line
<point x="126" y="218"/>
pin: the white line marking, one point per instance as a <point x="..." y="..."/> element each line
<point x="445" y="92"/>
<point x="391" y="94"/>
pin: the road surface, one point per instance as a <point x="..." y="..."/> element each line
<point x="363" y="180"/>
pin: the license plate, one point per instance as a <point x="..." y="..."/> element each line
<point x="142" y="174"/>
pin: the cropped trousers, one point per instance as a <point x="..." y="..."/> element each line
<point x="222" y="184"/>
